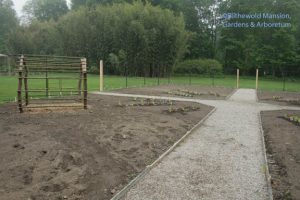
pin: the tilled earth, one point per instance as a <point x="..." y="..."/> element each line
<point x="280" y="98"/>
<point x="283" y="150"/>
<point x="85" y="154"/>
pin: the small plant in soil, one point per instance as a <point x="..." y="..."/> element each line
<point x="214" y="94"/>
<point x="146" y="102"/>
<point x="188" y="93"/>
<point x="182" y="110"/>
<point x="170" y="109"/>
<point x="277" y="97"/>
<point x="142" y="102"/>
<point x="120" y="104"/>
<point x="292" y="118"/>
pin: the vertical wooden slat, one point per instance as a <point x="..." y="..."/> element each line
<point x="47" y="80"/>
<point x="20" y="84"/>
<point x="101" y="75"/>
<point x="26" y="82"/>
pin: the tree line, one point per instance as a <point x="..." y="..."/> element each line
<point x="154" y="36"/>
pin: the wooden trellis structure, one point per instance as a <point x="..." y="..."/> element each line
<point x="42" y="78"/>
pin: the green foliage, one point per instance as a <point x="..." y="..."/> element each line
<point x="147" y="36"/>
<point x="37" y="38"/>
<point x="8" y="21"/>
<point x="293" y="118"/>
<point x="199" y="20"/>
<point x="199" y="66"/>
<point x="273" y="49"/>
<point x="45" y="10"/>
<point x="138" y="37"/>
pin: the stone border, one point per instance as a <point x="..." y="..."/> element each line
<point x="124" y="191"/>
<point x="267" y="172"/>
<point x="230" y="95"/>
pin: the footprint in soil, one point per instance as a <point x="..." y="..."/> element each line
<point x="66" y="160"/>
<point x="18" y="146"/>
<point x="21" y="174"/>
<point x="52" y="187"/>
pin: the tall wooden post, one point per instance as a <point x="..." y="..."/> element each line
<point x="256" y="85"/>
<point x="20" y="84"/>
<point x="84" y="74"/>
<point x="101" y="75"/>
<point x="47" y="80"/>
<point x="237" y="78"/>
<point x="25" y="82"/>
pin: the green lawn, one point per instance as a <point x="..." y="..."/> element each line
<point x="8" y="85"/>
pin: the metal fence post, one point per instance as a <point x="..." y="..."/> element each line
<point x="144" y="77"/>
<point x="283" y="74"/>
<point x="158" y="75"/>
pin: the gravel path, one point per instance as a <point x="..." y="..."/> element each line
<point x="223" y="159"/>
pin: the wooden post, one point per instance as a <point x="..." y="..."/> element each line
<point x="101" y="75"/>
<point x="80" y="83"/>
<point x="47" y="80"/>
<point x="20" y="84"/>
<point x="256" y="79"/>
<point x="26" y="82"/>
<point x="237" y="78"/>
<point x="84" y="73"/>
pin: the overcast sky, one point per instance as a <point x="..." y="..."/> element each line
<point x="20" y="3"/>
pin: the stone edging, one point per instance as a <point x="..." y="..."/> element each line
<point x="267" y="172"/>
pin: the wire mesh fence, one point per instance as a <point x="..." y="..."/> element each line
<point x="287" y="81"/>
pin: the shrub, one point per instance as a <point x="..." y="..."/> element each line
<point x="94" y="70"/>
<point x="199" y="66"/>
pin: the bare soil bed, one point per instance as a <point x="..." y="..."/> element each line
<point x="186" y="91"/>
<point x="281" y="98"/>
<point x="87" y="154"/>
<point x="283" y="151"/>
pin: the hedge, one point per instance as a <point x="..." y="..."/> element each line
<point x="199" y="66"/>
